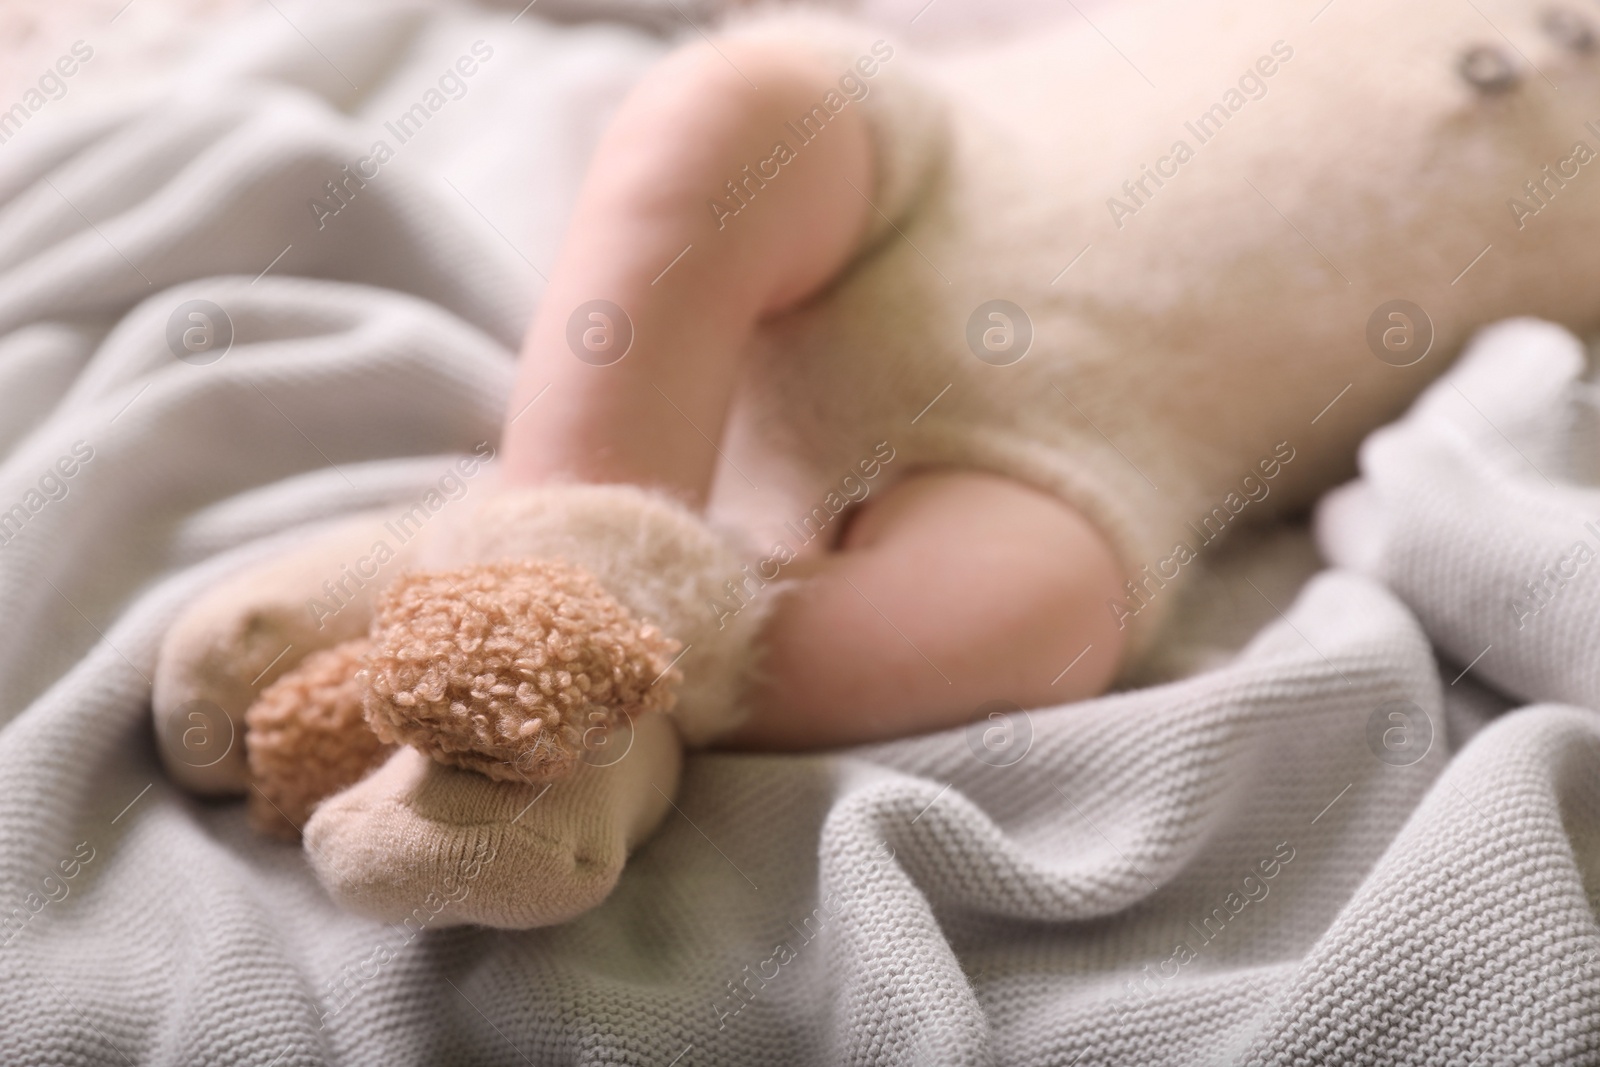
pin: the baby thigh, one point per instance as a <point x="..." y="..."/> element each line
<point x="951" y="589"/>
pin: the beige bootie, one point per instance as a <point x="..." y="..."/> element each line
<point x="247" y="632"/>
<point x="418" y="834"/>
<point x="524" y="693"/>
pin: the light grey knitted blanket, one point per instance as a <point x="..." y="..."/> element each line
<point x="1289" y="853"/>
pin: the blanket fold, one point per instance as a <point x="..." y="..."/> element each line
<point x="1278" y="860"/>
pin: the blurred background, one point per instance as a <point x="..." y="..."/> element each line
<point x="152" y="34"/>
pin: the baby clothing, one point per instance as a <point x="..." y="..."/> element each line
<point x="1172" y="265"/>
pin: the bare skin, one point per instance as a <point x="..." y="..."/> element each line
<point x="950" y="589"/>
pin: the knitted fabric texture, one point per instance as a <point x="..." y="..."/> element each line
<point x="1477" y="508"/>
<point x="307" y="739"/>
<point x="938" y="901"/>
<point x="502" y="668"/>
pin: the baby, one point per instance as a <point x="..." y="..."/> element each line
<point x="1094" y="322"/>
<point x="1073" y="310"/>
<point x="718" y="216"/>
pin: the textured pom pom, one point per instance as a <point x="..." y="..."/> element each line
<point x="503" y="668"/>
<point x="306" y="738"/>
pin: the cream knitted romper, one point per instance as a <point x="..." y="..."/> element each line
<point x="1192" y="229"/>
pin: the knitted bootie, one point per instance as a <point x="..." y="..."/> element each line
<point x="660" y="561"/>
<point x="546" y="662"/>
<point x="421" y="842"/>
<point x="248" y="631"/>
<point x="516" y="681"/>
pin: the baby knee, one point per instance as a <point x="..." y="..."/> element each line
<point x="733" y="81"/>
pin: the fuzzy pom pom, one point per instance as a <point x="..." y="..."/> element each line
<point x="502" y="668"/>
<point x="306" y="739"/>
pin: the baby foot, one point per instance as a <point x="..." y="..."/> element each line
<point x="418" y="837"/>
<point x="501" y="675"/>
<point x="498" y="679"/>
<point x="241" y="636"/>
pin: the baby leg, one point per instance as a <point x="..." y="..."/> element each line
<point x="689" y="291"/>
<point x="952" y="589"/>
<point x="691" y="286"/>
